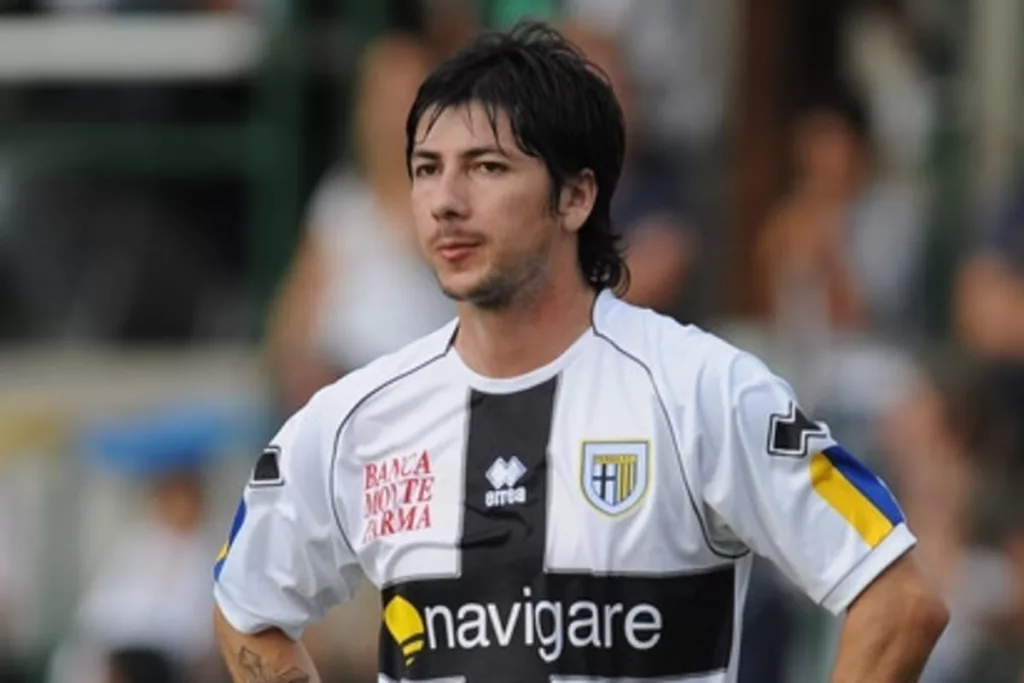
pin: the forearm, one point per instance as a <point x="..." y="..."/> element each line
<point x="268" y="657"/>
<point x="888" y="645"/>
<point x="899" y="660"/>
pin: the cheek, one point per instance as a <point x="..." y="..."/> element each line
<point x="516" y="229"/>
<point x="521" y="210"/>
<point x="423" y="221"/>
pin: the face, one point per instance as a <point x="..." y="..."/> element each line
<point x="483" y="210"/>
<point x="828" y="151"/>
<point x="179" y="500"/>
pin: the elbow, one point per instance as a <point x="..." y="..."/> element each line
<point x="926" y="614"/>
<point x="895" y="624"/>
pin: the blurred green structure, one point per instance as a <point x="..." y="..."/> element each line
<point x="265" y="150"/>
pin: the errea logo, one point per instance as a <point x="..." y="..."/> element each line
<point x="503" y="476"/>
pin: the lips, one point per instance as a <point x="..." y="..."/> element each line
<point x="456" y="249"/>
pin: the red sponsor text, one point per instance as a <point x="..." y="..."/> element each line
<point x="397" y="493"/>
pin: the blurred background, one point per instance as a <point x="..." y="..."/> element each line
<point x="203" y="219"/>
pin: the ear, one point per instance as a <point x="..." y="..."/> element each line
<point x="577" y="200"/>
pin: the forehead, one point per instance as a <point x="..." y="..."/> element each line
<point x="464" y="126"/>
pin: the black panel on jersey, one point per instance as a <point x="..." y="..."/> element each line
<point x="504" y="620"/>
<point x="267" y="471"/>
<point x="563" y="624"/>
<point x="505" y="523"/>
<point x="789" y="433"/>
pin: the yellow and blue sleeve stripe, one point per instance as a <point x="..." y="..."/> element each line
<point x="855" y="493"/>
<point x="218" y="566"/>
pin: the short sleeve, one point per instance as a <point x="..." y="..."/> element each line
<point x="777" y="482"/>
<point x="336" y="203"/>
<point x="286" y="561"/>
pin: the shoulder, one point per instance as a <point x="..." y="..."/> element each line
<point x="682" y="360"/>
<point x="660" y="342"/>
<point x="310" y="436"/>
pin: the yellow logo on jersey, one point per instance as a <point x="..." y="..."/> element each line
<point x="614" y="474"/>
<point x="405" y="625"/>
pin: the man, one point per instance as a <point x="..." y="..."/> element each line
<point x="557" y="485"/>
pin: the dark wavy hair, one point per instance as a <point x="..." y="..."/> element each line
<point x="562" y="111"/>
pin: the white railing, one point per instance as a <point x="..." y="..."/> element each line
<point x="111" y="47"/>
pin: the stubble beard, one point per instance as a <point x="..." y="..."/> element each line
<point x="506" y="286"/>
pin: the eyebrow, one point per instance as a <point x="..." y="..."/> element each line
<point x="469" y="154"/>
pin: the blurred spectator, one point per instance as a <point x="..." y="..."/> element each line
<point x="838" y="253"/>
<point x="358" y="287"/>
<point x="990" y="288"/>
<point x="679" y="53"/>
<point x="947" y="458"/>
<point x="884" y="58"/>
<point x="843" y="244"/>
<point x="646" y="208"/>
<point x="989" y="318"/>
<point x="448" y="24"/>
<point x="153" y="592"/>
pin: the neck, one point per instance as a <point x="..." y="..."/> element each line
<point x="521" y="338"/>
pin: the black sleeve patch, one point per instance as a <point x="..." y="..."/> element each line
<point x="268" y="469"/>
<point x="789" y="433"/>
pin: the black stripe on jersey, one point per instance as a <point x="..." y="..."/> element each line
<point x="566" y="624"/>
<point x="675" y="444"/>
<point x="503" y="619"/>
<point x="504" y="522"/>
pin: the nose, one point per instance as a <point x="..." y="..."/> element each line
<point x="449" y="199"/>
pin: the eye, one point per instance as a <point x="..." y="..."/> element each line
<point x="424" y="170"/>
<point x="491" y="167"/>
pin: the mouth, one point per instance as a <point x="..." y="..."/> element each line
<point x="456" y="250"/>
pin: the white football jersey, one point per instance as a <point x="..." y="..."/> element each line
<point x="592" y="520"/>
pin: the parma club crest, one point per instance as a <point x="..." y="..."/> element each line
<point x="614" y="474"/>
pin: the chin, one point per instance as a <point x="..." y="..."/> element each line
<point x="458" y="286"/>
<point x="462" y="292"/>
<point x="482" y="292"/>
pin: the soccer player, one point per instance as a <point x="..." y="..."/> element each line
<point x="556" y="485"/>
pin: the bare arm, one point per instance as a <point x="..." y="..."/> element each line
<point x="891" y="628"/>
<point x="267" y="657"/>
<point x="291" y="345"/>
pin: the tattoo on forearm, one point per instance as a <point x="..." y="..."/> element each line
<point x="253" y="670"/>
